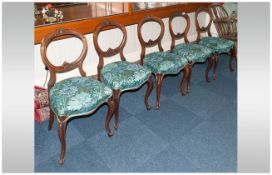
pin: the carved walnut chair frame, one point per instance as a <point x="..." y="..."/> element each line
<point x="183" y="35"/>
<point x="111" y="52"/>
<point x="207" y="29"/>
<point x="225" y="25"/>
<point x="152" y="43"/>
<point x="65" y="67"/>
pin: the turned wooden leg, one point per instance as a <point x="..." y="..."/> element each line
<point x="111" y="108"/>
<point x="62" y="134"/>
<point x="51" y="119"/>
<point x="184" y="78"/>
<point x="210" y="63"/>
<point x="116" y="97"/>
<point x="215" y="62"/>
<point x="190" y="67"/>
<point x="159" y="78"/>
<point x="148" y="92"/>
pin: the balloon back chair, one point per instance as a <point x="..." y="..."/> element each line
<point x="161" y="63"/>
<point x="226" y="26"/>
<point x="121" y="75"/>
<point x="76" y="96"/>
<point x="216" y="44"/>
<point x="192" y="52"/>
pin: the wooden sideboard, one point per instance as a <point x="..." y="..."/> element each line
<point x="87" y="25"/>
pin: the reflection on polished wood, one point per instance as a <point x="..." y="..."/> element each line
<point x="88" y="25"/>
<point x="151" y="5"/>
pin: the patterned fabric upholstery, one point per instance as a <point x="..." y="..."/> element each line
<point x="124" y="75"/>
<point x="78" y="95"/>
<point x="193" y="52"/>
<point x="218" y="45"/>
<point x="164" y="62"/>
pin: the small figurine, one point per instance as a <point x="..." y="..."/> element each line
<point x="60" y="15"/>
<point x="50" y="14"/>
<point x="56" y="13"/>
<point x="43" y="10"/>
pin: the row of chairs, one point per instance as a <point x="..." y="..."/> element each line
<point x="80" y="96"/>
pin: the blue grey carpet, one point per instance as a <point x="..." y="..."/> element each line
<point x="192" y="133"/>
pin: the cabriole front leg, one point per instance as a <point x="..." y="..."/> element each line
<point x="116" y="97"/>
<point x="190" y="67"/>
<point x="159" y="78"/>
<point x="209" y="66"/>
<point x="148" y="92"/>
<point x="184" y="78"/>
<point x="62" y="136"/>
<point x="111" y="109"/>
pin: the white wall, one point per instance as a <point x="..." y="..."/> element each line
<point x="230" y="7"/>
<point x="69" y="49"/>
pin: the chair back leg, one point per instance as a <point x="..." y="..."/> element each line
<point x="51" y="119"/>
<point x="232" y="54"/>
<point x="215" y="62"/>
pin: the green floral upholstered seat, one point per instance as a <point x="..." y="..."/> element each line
<point x="218" y="45"/>
<point x="124" y="75"/>
<point x="192" y="52"/>
<point x="164" y="62"/>
<point x="78" y="95"/>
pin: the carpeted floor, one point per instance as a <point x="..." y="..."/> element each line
<point x="192" y="133"/>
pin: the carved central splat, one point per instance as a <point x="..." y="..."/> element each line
<point x="179" y="35"/>
<point x="151" y="42"/>
<point x="111" y="51"/>
<point x="67" y="65"/>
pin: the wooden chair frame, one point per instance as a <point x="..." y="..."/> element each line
<point x="207" y="29"/>
<point x="225" y="25"/>
<point x="184" y="35"/>
<point x="152" y="43"/>
<point x="111" y="52"/>
<point x="65" y="67"/>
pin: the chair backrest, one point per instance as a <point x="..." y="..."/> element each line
<point x="202" y="29"/>
<point x="225" y="26"/>
<point x="149" y="43"/>
<point x="218" y="11"/>
<point x="179" y="35"/>
<point x="66" y="66"/>
<point x="110" y="52"/>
